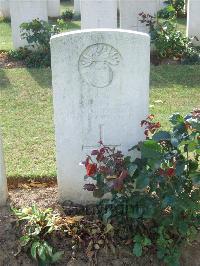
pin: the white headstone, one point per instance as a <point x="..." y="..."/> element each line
<point x="77" y="7"/>
<point x="25" y="11"/>
<point x="53" y="8"/>
<point x="101" y="91"/>
<point x="3" y="180"/>
<point x="98" y="14"/>
<point x="130" y="10"/>
<point x="4" y="8"/>
<point x="193" y="20"/>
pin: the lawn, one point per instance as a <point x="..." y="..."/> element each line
<point x="27" y="112"/>
<point x="5" y="36"/>
<point x="5" y="28"/>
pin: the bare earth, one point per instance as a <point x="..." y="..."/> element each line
<point x="6" y="62"/>
<point x="42" y="196"/>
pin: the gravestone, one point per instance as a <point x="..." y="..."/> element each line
<point x="98" y="14"/>
<point x="77" y="7"/>
<point x="53" y="8"/>
<point x="25" y="11"/>
<point x="4" y="8"/>
<point x="193" y="20"/>
<point x="3" y="181"/>
<point x="101" y="92"/>
<point x="130" y="10"/>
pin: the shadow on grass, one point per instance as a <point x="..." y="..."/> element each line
<point x="42" y="76"/>
<point x="166" y="76"/>
<point x="4" y="81"/>
<point x="182" y="21"/>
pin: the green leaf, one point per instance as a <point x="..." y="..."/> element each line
<point x="195" y="178"/>
<point x="192" y="146"/>
<point x="138" y="238"/>
<point x="107" y="215"/>
<point x="147" y="241"/>
<point x="42" y="252"/>
<point x="151" y="149"/>
<point x="174" y="142"/>
<point x="48" y="248"/>
<point x="57" y="256"/>
<point x="183" y="227"/>
<point x="137" y="249"/>
<point x="180" y="167"/>
<point x="142" y="181"/>
<point x="161" y="135"/>
<point x="24" y="240"/>
<point x="34" y="247"/>
<point x="176" y="118"/>
<point x="135" y="212"/>
<point x="132" y="168"/>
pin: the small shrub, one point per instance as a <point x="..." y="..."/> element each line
<point x="178" y="6"/>
<point x="38" y="59"/>
<point x="39" y="227"/>
<point x="155" y="197"/>
<point x="37" y="33"/>
<point x="4" y="19"/>
<point x="168" y="41"/>
<point x="20" y="54"/>
<point x="167" y="12"/>
<point x="39" y="224"/>
<point x="67" y="15"/>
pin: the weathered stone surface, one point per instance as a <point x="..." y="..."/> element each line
<point x="4" y="8"/>
<point x="77" y="7"/>
<point x="25" y="11"/>
<point x="98" y="14"/>
<point x="3" y="181"/>
<point x="130" y="9"/>
<point x="53" y="8"/>
<point x="193" y="20"/>
<point x="101" y="92"/>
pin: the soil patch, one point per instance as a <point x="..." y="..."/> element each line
<point x="6" y="62"/>
<point x="46" y="197"/>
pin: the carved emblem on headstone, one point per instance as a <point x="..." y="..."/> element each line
<point x="97" y="64"/>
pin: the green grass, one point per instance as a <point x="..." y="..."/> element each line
<point x="5" y="28"/>
<point x="181" y="24"/>
<point x="27" y="112"/>
<point x="5" y="36"/>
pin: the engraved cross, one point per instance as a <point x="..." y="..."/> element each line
<point x="101" y="139"/>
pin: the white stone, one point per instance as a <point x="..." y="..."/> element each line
<point x="98" y="14"/>
<point x="53" y="8"/>
<point x="25" y="11"/>
<point x="77" y="7"/>
<point x="3" y="180"/>
<point x="4" y="8"/>
<point x="101" y="91"/>
<point x="130" y="9"/>
<point x="193" y="20"/>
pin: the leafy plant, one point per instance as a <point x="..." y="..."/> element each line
<point x="178" y="6"/>
<point x="168" y="42"/>
<point x="156" y="195"/>
<point x="168" y="12"/>
<point x="39" y="224"/>
<point x="39" y="227"/>
<point x="67" y="15"/>
<point x="37" y="33"/>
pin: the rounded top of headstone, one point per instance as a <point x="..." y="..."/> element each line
<point x="93" y="31"/>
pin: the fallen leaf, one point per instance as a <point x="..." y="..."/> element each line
<point x="158" y="101"/>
